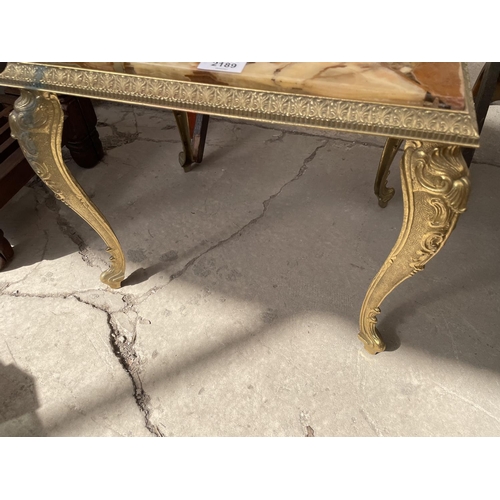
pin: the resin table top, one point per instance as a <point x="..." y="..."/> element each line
<point x="434" y="85"/>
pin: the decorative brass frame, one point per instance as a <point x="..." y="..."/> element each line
<point x="405" y="122"/>
<point x="434" y="175"/>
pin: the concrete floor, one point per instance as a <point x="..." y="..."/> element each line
<point x="246" y="275"/>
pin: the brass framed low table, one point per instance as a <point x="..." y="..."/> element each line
<point x="427" y="104"/>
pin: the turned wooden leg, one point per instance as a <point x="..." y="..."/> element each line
<point x="6" y="252"/>
<point x="485" y="91"/>
<point x="37" y="122"/>
<point x="193" y="136"/>
<point x="186" y="155"/>
<point x="80" y="135"/>
<point x="436" y="186"/>
<point x="199" y="136"/>
<point x="384" y="193"/>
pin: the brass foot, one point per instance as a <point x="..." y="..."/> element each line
<point x="370" y="336"/>
<point x="436" y="188"/>
<point x="37" y="122"/>
<point x="384" y="193"/>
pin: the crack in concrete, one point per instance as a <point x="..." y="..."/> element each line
<point x="454" y="394"/>
<point x="43" y="196"/>
<point x="276" y="138"/>
<point x="485" y="163"/>
<point x="10" y="352"/>
<point x="302" y="170"/>
<point x="168" y="141"/>
<point x="124" y="350"/>
<point x="117" y="138"/>
<point x="370" y="423"/>
<point x="302" y="132"/>
<point x="83" y="250"/>
<point x="35" y="267"/>
<point x="135" y="120"/>
<point x="122" y="343"/>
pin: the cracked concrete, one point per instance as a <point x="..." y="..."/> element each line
<point x="238" y="316"/>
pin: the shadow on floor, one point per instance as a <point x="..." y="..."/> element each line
<point x="18" y="403"/>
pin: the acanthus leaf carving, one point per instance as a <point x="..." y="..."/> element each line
<point x="436" y="188"/>
<point x="37" y="121"/>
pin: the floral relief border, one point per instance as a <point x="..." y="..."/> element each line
<point x="453" y="127"/>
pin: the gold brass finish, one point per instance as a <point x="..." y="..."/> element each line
<point x="405" y="122"/>
<point x="384" y="193"/>
<point x="434" y="174"/>
<point x="36" y="122"/>
<point x="436" y="187"/>
<point x="392" y="146"/>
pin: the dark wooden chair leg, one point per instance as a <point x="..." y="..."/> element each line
<point x="15" y="172"/>
<point x="193" y="131"/>
<point x="6" y="252"/>
<point x="80" y="135"/>
<point x="199" y="136"/>
<point x="485" y="92"/>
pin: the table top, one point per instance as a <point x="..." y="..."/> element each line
<point x="416" y="84"/>
<point x="407" y="100"/>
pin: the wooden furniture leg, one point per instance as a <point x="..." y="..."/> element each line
<point x="79" y="135"/>
<point x="79" y="132"/>
<point x="193" y="131"/>
<point x="15" y="172"/>
<point x="384" y="193"/>
<point x="6" y="252"/>
<point x="485" y="91"/>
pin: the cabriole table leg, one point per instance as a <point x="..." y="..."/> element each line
<point x="436" y="188"/>
<point x="37" y="122"/>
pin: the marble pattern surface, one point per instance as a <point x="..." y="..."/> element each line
<point x="439" y="85"/>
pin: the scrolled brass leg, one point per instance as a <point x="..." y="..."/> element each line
<point x="37" y="122"/>
<point x="436" y="188"/>
<point x="384" y="193"/>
